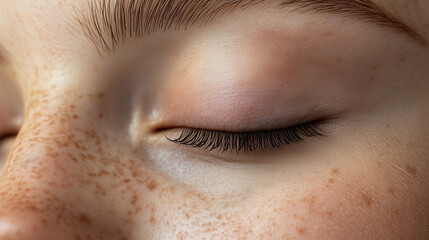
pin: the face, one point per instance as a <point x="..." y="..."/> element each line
<point x="271" y="120"/>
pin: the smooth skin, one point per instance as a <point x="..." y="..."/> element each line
<point x="92" y="161"/>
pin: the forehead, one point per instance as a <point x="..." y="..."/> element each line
<point x="50" y="28"/>
<point x="44" y="16"/>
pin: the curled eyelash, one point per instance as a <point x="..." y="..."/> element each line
<point x="245" y="141"/>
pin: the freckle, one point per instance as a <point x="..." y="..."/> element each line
<point x="100" y="115"/>
<point x="36" y="73"/>
<point x="53" y="155"/>
<point x="84" y="219"/>
<point x="391" y="191"/>
<point x="75" y="116"/>
<point x="328" y="214"/>
<point x="152" y="185"/>
<point x="44" y="221"/>
<point x="411" y="170"/>
<point x="367" y="199"/>
<point x="302" y="230"/>
<point x="396" y="211"/>
<point x="152" y="220"/>
<point x="328" y="33"/>
<point x="335" y="171"/>
<point x="331" y="180"/>
<point x="101" y="95"/>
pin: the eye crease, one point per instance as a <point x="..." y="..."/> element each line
<point x="246" y="141"/>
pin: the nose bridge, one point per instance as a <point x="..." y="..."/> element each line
<point x="63" y="175"/>
<point x="40" y="158"/>
<point x="42" y="148"/>
<point x="41" y="184"/>
<point x="40" y="165"/>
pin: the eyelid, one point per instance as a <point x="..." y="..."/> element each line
<point x="246" y="141"/>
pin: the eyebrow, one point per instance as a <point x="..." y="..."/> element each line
<point x="108" y="22"/>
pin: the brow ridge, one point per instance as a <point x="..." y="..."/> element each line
<point x="107" y="23"/>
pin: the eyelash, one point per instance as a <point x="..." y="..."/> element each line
<point x="245" y="141"/>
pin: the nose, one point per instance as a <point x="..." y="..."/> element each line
<point x="38" y="189"/>
<point x="27" y="226"/>
<point x="45" y="189"/>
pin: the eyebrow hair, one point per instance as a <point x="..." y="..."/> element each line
<point x="108" y="22"/>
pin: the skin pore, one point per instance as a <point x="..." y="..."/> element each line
<point x="91" y="159"/>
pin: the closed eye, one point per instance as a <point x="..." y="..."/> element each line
<point x="246" y="141"/>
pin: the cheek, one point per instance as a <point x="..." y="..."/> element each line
<point x="341" y="206"/>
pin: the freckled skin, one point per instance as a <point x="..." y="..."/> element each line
<point x="75" y="171"/>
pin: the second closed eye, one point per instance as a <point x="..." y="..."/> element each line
<point x="256" y="89"/>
